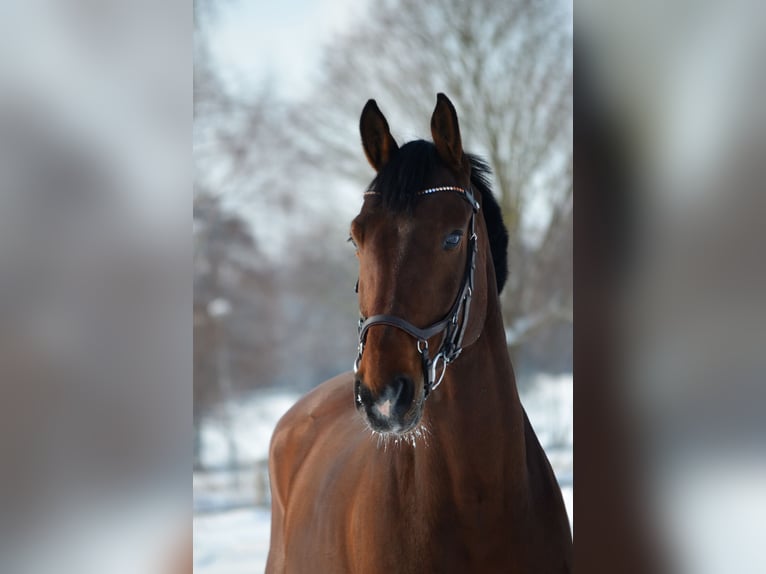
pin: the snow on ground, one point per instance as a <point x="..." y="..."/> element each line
<point x="235" y="540"/>
<point x="251" y="424"/>
<point x="548" y="402"/>
<point x="568" y="493"/>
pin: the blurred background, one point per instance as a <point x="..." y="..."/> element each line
<point x="670" y="146"/>
<point x="280" y="172"/>
<point x="95" y="330"/>
<point x="96" y="356"/>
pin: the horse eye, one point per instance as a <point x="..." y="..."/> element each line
<point x="453" y="240"/>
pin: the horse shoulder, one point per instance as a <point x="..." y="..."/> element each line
<point x="296" y="431"/>
<point x="293" y="438"/>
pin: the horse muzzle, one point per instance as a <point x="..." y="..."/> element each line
<point x="396" y="408"/>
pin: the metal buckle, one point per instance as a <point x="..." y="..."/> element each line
<point x="358" y="359"/>
<point x="434" y="365"/>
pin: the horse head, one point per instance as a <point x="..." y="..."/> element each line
<point x="429" y="238"/>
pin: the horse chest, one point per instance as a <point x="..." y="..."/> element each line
<point x="383" y="521"/>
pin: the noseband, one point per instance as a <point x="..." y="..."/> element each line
<point x="453" y="325"/>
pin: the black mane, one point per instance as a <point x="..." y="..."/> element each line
<point x="408" y="172"/>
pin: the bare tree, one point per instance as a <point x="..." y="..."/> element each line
<point x="241" y="146"/>
<point x="508" y="67"/>
<point x="233" y="350"/>
<point x="280" y="309"/>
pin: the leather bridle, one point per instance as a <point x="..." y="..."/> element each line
<point x="454" y="323"/>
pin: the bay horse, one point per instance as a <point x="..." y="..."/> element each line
<point x="421" y="460"/>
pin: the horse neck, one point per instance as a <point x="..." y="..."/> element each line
<point x="475" y="415"/>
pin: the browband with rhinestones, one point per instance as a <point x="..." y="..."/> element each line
<point x="465" y="193"/>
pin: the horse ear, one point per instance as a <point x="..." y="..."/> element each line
<point x="379" y="145"/>
<point x="446" y="132"/>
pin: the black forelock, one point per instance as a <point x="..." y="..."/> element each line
<point x="406" y="173"/>
<point x="410" y="171"/>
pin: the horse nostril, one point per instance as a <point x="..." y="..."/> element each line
<point x="391" y="404"/>
<point x="404" y="393"/>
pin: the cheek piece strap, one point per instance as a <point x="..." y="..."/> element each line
<point x="452" y="326"/>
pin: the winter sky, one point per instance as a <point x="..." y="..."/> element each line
<point x="279" y="43"/>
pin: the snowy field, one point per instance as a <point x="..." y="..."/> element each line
<point x="237" y="542"/>
<point x="231" y="536"/>
<point x="233" y="542"/>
